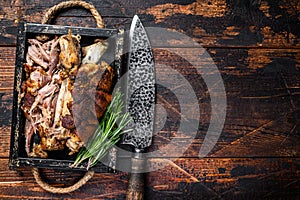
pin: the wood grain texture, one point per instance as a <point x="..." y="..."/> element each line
<point x="211" y="23"/>
<point x="227" y="178"/>
<point x="255" y="47"/>
<point x="254" y="82"/>
<point x="187" y="178"/>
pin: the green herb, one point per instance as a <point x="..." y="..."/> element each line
<point x="107" y="133"/>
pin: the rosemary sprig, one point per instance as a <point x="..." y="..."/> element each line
<point x="107" y="133"/>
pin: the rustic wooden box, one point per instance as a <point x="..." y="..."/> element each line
<point x="113" y="56"/>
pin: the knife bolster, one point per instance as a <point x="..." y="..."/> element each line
<point x="138" y="153"/>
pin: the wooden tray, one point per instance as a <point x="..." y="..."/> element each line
<point x="113" y="56"/>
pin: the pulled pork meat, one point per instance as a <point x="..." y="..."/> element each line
<point x="47" y="92"/>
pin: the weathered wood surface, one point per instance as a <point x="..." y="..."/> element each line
<point x="186" y="178"/>
<point x="213" y="23"/>
<point x="274" y="92"/>
<point x="255" y="46"/>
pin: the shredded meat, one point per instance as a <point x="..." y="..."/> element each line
<point x="48" y="93"/>
<point x="40" y="54"/>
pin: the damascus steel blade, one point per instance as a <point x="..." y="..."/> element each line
<point x="140" y="92"/>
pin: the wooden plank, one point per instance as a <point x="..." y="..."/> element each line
<point x="260" y="102"/>
<point x="269" y="24"/>
<point x="7" y="69"/>
<point x="244" y="23"/>
<point x="21" y="184"/>
<point x="5" y="118"/>
<point x="185" y="178"/>
<point x="262" y="90"/>
<point x="231" y="178"/>
<point x="9" y="14"/>
<point x="5" y="140"/>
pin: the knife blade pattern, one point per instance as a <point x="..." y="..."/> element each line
<point x="140" y="87"/>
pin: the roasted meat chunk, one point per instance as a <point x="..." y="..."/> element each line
<point x="70" y="56"/>
<point x="92" y="90"/>
<point x="103" y="92"/>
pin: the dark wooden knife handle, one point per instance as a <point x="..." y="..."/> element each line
<point x="135" y="189"/>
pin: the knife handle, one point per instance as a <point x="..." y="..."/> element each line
<point x="135" y="189"/>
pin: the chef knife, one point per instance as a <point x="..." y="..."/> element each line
<point x="140" y="103"/>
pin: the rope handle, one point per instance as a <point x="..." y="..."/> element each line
<point x="61" y="190"/>
<point x="50" y="14"/>
<point x="47" y="19"/>
<point x="70" y="4"/>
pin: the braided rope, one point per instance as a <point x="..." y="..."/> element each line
<point x="59" y="190"/>
<point x="69" y="4"/>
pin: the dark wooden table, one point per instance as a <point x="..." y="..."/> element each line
<point x="255" y="46"/>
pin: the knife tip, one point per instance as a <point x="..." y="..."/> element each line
<point x="135" y="19"/>
<point x="134" y="22"/>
